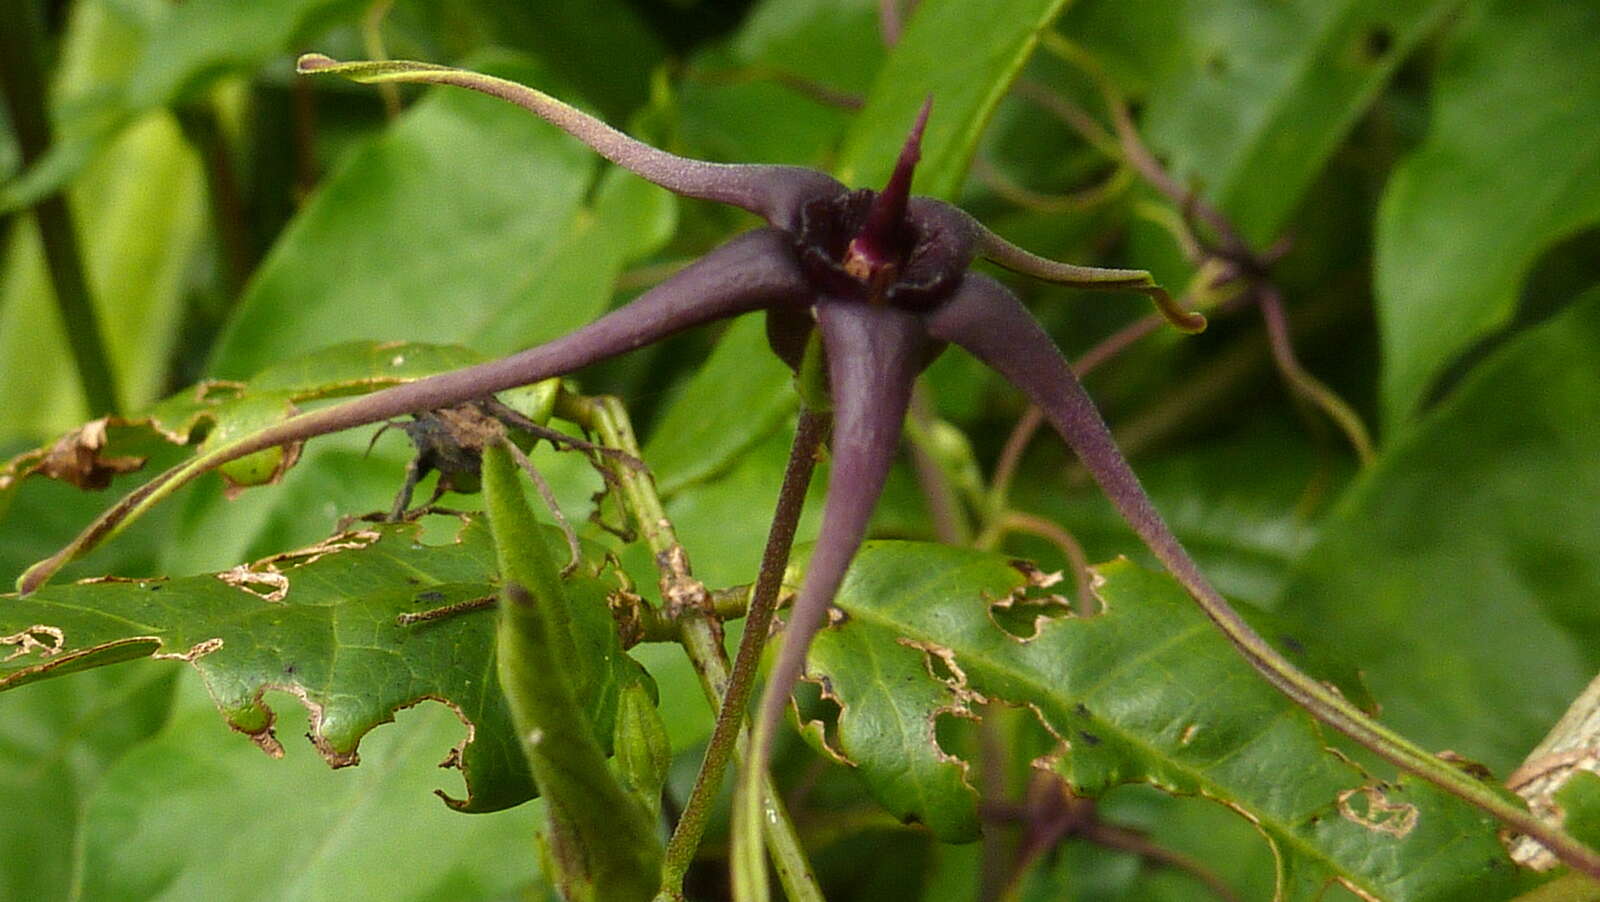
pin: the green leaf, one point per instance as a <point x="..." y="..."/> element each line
<point x="429" y="233"/>
<point x="1474" y="546"/>
<point x="1232" y="502"/>
<point x="1569" y="887"/>
<point x="834" y="41"/>
<point x="140" y="212"/>
<point x="321" y="623"/>
<point x="603" y="839"/>
<point x="642" y="747"/>
<point x="965" y="55"/>
<point x="220" y="412"/>
<point x="1579" y="799"/>
<point x="772" y="93"/>
<point x="196" y="813"/>
<point x="197" y="42"/>
<point x="56" y="743"/>
<point x="572" y="284"/>
<point x="1509" y="167"/>
<point x="740" y="395"/>
<point x="723" y="521"/>
<point x="537" y="636"/>
<point x="603" y="47"/>
<point x="1252" y="98"/>
<point x="216" y="411"/>
<point x="185" y="49"/>
<point x="1146" y="691"/>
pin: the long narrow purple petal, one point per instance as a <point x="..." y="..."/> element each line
<point x="874" y="354"/>
<point x="776" y="193"/>
<point x="987" y="319"/>
<point x="755" y="270"/>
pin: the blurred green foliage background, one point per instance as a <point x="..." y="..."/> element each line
<point x="1436" y="164"/>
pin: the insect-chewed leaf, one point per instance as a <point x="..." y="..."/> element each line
<point x="213" y="412"/>
<point x="321" y="623"/>
<point x="1146" y="691"/>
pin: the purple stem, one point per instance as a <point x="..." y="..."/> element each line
<point x="752" y="271"/>
<point x="874" y="354"/>
<point x="890" y="21"/>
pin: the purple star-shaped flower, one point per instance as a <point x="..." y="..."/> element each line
<point x="882" y="275"/>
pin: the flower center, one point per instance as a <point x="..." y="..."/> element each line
<point x="881" y="247"/>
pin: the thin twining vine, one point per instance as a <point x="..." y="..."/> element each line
<point x="690" y="607"/>
<point x="1227" y="268"/>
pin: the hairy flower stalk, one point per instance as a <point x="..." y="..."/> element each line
<point x="883" y="278"/>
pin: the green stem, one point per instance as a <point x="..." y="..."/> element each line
<point x="728" y="603"/>
<point x="687" y="602"/>
<point x="1314" y="390"/>
<point x="372" y="43"/>
<point x="728" y="732"/>
<point x="22" y="83"/>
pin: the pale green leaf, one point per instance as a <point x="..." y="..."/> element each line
<point x="427" y="233"/>
<point x="199" y="813"/>
<point x="964" y="55"/>
<point x="1510" y="166"/>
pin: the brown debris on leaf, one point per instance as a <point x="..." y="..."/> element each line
<point x="195" y="652"/>
<point x="267" y="585"/>
<point x="1034" y="577"/>
<point x="344" y="541"/>
<point x="1023" y="613"/>
<point x="46" y="640"/>
<point x="942" y="667"/>
<point x="75" y="458"/>
<point x="265" y="578"/>
<point x="1371" y="808"/>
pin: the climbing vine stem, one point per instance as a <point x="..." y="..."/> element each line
<point x="700" y="633"/>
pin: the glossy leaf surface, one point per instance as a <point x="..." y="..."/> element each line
<point x="1145" y="691"/>
<point x="1258" y="96"/>
<point x="321" y="624"/>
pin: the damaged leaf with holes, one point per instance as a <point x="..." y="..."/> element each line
<point x="215" y="411"/>
<point x="1143" y="691"/>
<point x="329" y="625"/>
